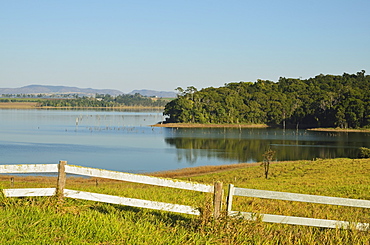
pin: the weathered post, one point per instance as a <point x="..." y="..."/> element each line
<point x="12" y="182"/>
<point x="61" y="179"/>
<point x="217" y="200"/>
<point x="230" y="199"/>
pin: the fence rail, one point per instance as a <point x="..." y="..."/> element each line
<point x="29" y="192"/>
<point x="235" y="191"/>
<point x="28" y="168"/>
<point x="62" y="169"/>
<point x="143" y="179"/>
<point x="131" y="202"/>
<point x="301" y="197"/>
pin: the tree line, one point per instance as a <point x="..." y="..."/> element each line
<point x="323" y="101"/>
<point x="106" y="100"/>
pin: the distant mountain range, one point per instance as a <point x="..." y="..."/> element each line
<point x="45" y="89"/>
<point x="49" y="90"/>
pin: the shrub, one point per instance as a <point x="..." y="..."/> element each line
<point x="364" y="152"/>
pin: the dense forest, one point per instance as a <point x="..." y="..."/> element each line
<point x="323" y="101"/>
<point x="106" y="100"/>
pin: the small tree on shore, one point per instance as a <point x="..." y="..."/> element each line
<point x="364" y="152"/>
<point x="268" y="156"/>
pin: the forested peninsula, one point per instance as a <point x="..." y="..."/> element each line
<point x="323" y="101"/>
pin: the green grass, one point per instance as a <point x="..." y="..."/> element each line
<point x="45" y="220"/>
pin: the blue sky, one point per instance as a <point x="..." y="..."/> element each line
<point x="162" y="45"/>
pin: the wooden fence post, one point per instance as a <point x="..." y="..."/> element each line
<point x="217" y="200"/>
<point x="230" y="199"/>
<point x="61" y="179"/>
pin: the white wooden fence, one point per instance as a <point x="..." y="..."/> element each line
<point x="234" y="191"/>
<point x="62" y="168"/>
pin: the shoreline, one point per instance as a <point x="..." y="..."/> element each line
<point x="340" y="130"/>
<point x="33" y="105"/>
<point x="172" y="174"/>
<point x="175" y="173"/>
<point x="195" y="171"/>
<point x="199" y="125"/>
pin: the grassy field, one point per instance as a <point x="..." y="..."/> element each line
<point x="46" y="220"/>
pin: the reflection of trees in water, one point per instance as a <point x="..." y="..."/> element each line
<point x="247" y="150"/>
<point x="190" y="155"/>
<point x="228" y="149"/>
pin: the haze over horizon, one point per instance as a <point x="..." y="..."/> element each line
<point x="161" y="45"/>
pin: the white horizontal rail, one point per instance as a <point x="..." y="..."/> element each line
<point x="291" y="220"/>
<point x="101" y="173"/>
<point x="29" y="192"/>
<point x="301" y="197"/>
<point x="29" y="168"/>
<point x="131" y="202"/>
<point x="32" y="192"/>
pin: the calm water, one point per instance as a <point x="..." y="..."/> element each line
<point x="124" y="141"/>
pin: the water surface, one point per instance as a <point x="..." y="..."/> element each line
<point x="125" y="141"/>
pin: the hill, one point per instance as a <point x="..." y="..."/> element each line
<point x="50" y="90"/>
<point x="47" y="89"/>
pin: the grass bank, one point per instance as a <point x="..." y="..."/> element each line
<point x="47" y="221"/>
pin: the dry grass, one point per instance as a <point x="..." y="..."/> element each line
<point x="194" y="171"/>
<point x="19" y="181"/>
<point x="178" y="173"/>
<point x="18" y="105"/>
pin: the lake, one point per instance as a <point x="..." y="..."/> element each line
<point x="125" y="141"/>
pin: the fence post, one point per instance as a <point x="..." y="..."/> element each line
<point x="230" y="199"/>
<point x="12" y="182"/>
<point x="61" y="178"/>
<point x="217" y="200"/>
